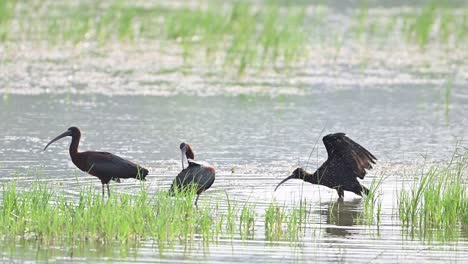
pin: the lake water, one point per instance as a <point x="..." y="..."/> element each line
<point x="254" y="142"/>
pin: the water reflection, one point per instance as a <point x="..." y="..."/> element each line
<point x="341" y="214"/>
<point x="69" y="250"/>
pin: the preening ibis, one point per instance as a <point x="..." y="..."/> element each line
<point x="347" y="161"/>
<point x="198" y="174"/>
<point x="104" y="165"/>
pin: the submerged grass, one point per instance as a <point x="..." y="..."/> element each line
<point x="436" y="204"/>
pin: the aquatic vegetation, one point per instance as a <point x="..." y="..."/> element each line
<point x="435" y="204"/>
<point x="420" y="25"/>
<point x="448" y="94"/>
<point x="274" y="219"/>
<point x="361" y="19"/>
<point x="6" y="95"/>
<point x="247" y="221"/>
<point x="46" y="215"/>
<point x="433" y="23"/>
<point x="239" y="35"/>
<point x="7" y="9"/>
<point x="437" y="23"/>
<point x="284" y="224"/>
<point x="372" y="207"/>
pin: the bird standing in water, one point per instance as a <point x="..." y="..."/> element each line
<point x="200" y="175"/>
<point x="104" y="165"/>
<point x="347" y="161"/>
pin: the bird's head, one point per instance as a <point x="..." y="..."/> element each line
<point x="298" y="173"/>
<point x="186" y="152"/>
<point x="71" y="132"/>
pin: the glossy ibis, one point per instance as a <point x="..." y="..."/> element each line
<point x="347" y="160"/>
<point x="200" y="175"/>
<point x="104" y="165"/>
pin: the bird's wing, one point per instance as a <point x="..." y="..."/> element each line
<point x="196" y="173"/>
<point x="183" y="179"/>
<point x="105" y="163"/>
<point x="344" y="152"/>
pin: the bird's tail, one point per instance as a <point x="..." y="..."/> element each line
<point x="172" y="190"/>
<point x="141" y="175"/>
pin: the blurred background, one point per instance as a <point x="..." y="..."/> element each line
<point x="229" y="47"/>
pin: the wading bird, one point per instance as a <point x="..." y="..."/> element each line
<point x="200" y="175"/>
<point x="347" y="160"/>
<point x="106" y="166"/>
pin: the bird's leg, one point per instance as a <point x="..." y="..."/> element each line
<point x="340" y="192"/>
<point x="196" y="200"/>
<point x="108" y="191"/>
<point x="103" y="190"/>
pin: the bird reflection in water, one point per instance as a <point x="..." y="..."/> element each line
<point x="341" y="214"/>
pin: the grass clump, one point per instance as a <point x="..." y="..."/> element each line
<point x="45" y="215"/>
<point x="283" y="224"/>
<point x="241" y="33"/>
<point x="274" y="220"/>
<point x="436" y="204"/>
<point x="372" y="207"/>
<point x="247" y="221"/>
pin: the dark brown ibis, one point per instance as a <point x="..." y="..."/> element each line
<point x="104" y="165"/>
<point x="200" y="175"/>
<point x="347" y="161"/>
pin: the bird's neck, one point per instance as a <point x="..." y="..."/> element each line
<point x="74" y="145"/>
<point x="189" y="153"/>
<point x="312" y="177"/>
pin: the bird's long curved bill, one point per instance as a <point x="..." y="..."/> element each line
<point x="64" y="134"/>
<point x="283" y="181"/>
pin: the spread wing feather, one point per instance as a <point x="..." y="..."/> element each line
<point x="343" y="151"/>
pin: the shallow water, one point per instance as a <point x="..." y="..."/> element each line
<point x="254" y="142"/>
<point x="255" y="129"/>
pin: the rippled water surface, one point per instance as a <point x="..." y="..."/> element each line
<point x="408" y="108"/>
<point x="254" y="142"/>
